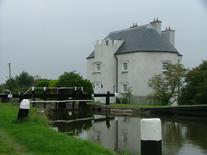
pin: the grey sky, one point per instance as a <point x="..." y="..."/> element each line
<point x="48" y="37"/>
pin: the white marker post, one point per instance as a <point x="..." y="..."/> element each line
<point x="23" y="109"/>
<point x="151" y="137"/>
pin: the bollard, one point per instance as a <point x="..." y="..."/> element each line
<point x="151" y="137"/>
<point x="23" y="109"/>
<point x="107" y="98"/>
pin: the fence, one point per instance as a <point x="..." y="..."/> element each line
<point x="132" y="99"/>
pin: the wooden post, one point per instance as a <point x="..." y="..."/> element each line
<point x="33" y="95"/>
<point x="74" y="98"/>
<point x="56" y="105"/>
<point x="151" y="137"/>
<point x="107" y="98"/>
<point x="61" y="105"/>
<point x="20" y="96"/>
<point x="45" y="96"/>
<point x="80" y="96"/>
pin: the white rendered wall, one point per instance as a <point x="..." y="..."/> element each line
<point x="142" y="66"/>
<point x="104" y="54"/>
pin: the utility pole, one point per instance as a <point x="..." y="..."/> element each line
<point x="9" y="81"/>
<point x="9" y="70"/>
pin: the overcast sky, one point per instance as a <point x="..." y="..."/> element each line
<point x="48" y="37"/>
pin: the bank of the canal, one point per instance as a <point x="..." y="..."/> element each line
<point x="185" y="111"/>
<point x="34" y="136"/>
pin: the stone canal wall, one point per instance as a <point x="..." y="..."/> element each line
<point x="190" y="111"/>
<point x="199" y="111"/>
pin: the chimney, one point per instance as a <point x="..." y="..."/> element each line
<point x="169" y="35"/>
<point x="134" y="25"/>
<point x="156" y="24"/>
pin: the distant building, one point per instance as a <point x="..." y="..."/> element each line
<point x="128" y="58"/>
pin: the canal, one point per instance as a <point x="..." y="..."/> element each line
<point x="122" y="133"/>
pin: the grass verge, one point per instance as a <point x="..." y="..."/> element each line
<point x="34" y="136"/>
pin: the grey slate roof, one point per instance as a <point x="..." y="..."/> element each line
<point x="91" y="55"/>
<point x="140" y="39"/>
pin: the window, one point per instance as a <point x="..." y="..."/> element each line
<point x="97" y="67"/>
<point x="124" y="67"/>
<point x="124" y="87"/>
<point x="107" y="42"/>
<point x="114" y="89"/>
<point x="98" y="86"/>
<point x="165" y="64"/>
<point x="179" y="59"/>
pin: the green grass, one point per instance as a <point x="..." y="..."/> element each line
<point x="35" y="137"/>
<point x="9" y="146"/>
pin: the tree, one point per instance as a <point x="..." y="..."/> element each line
<point x="73" y="79"/>
<point x="195" y="90"/>
<point x="53" y="83"/>
<point x="19" y="83"/>
<point x="167" y="85"/>
<point x="11" y="84"/>
<point x="42" y="83"/>
<point x="24" y="80"/>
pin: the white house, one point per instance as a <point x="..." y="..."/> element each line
<point x="129" y="58"/>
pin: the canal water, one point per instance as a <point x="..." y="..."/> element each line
<point x="123" y="133"/>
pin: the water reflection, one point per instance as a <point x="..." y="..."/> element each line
<point x="80" y="121"/>
<point x="123" y="133"/>
<point x="172" y="135"/>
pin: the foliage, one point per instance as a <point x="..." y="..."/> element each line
<point x="2" y="87"/>
<point x="24" y="80"/>
<point x="53" y="83"/>
<point x="167" y="85"/>
<point x="195" y="90"/>
<point x="73" y="79"/>
<point x="125" y="97"/>
<point x="69" y="79"/>
<point x="122" y="100"/>
<point x="20" y="83"/>
<point x="11" y="84"/>
<point x="42" y="83"/>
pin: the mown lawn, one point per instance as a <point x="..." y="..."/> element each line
<point x="35" y="137"/>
